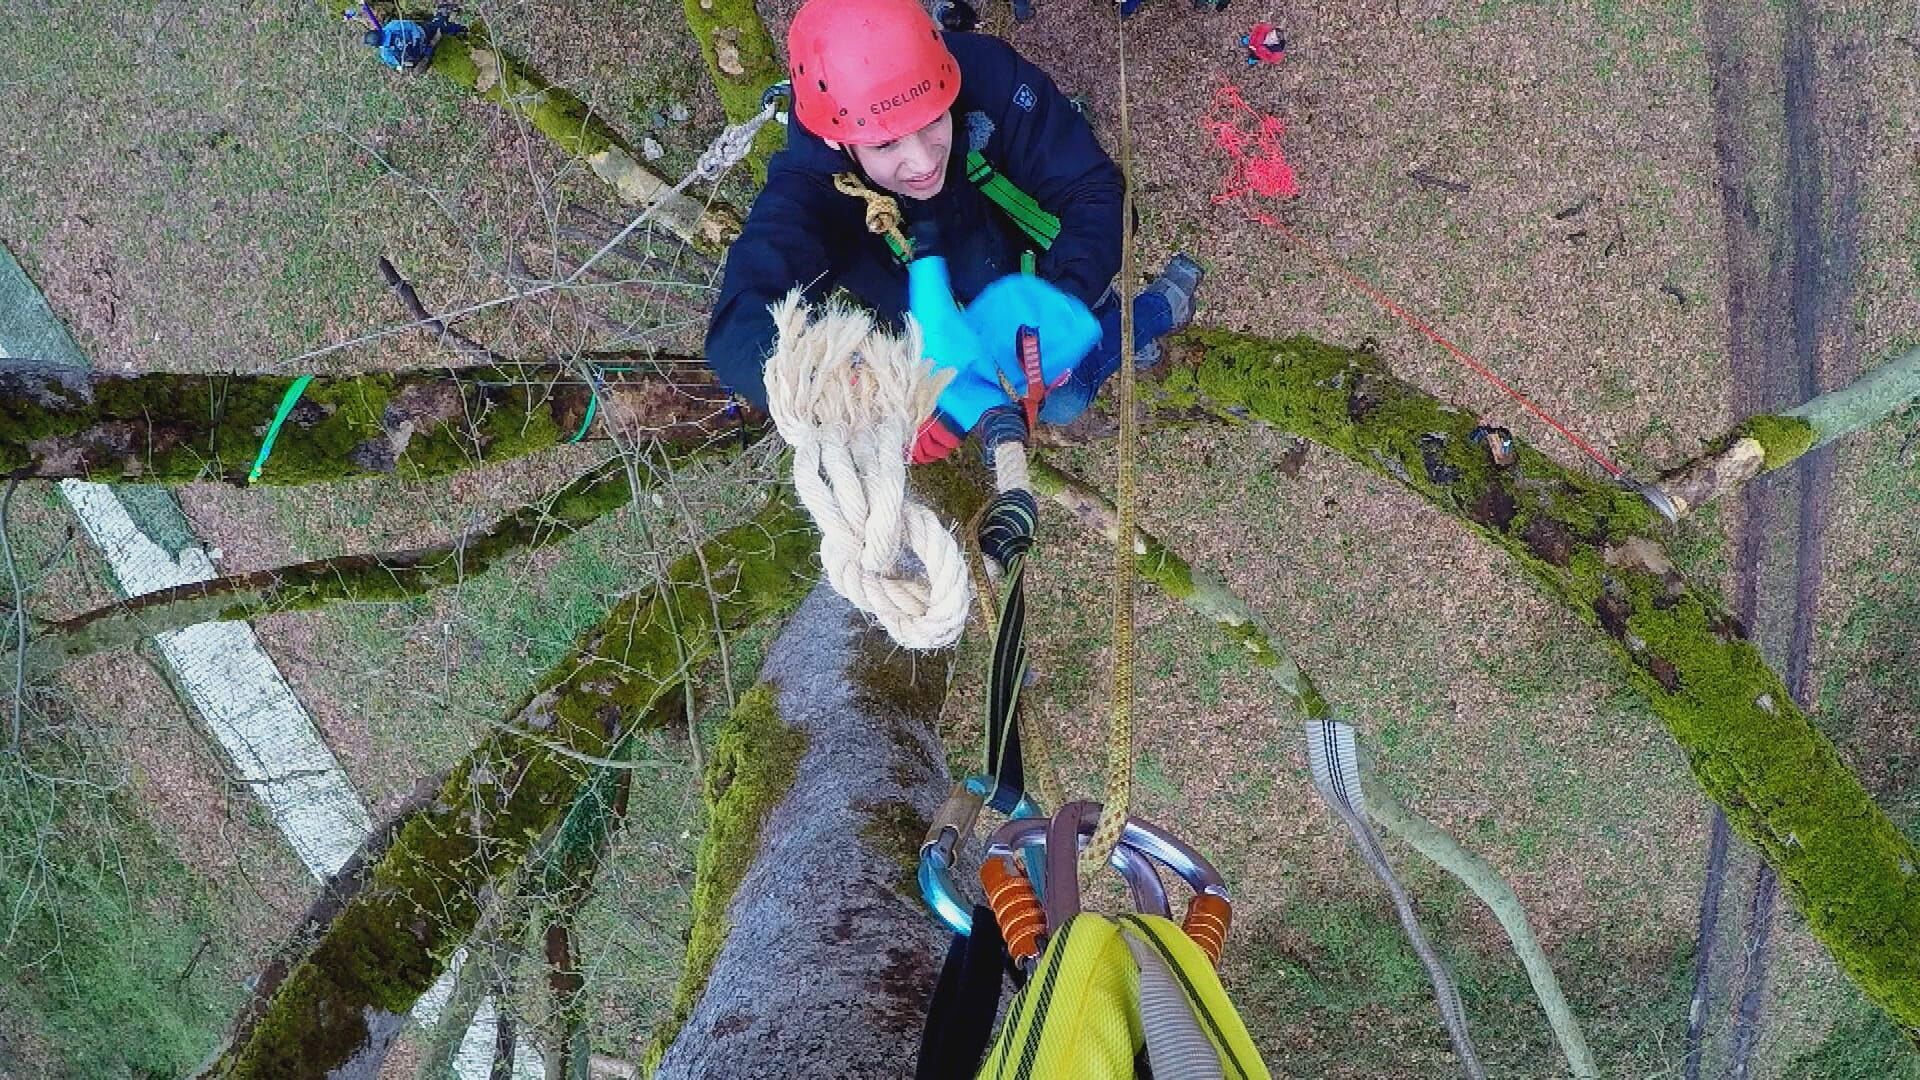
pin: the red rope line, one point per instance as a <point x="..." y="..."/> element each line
<point x="1268" y="173"/>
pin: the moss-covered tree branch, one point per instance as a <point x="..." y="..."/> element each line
<point x="742" y="64"/>
<point x="475" y="62"/>
<point x="170" y="428"/>
<point x="390" y="577"/>
<point x="1492" y="889"/>
<point x="755" y="761"/>
<point x="566" y="882"/>
<point x="392" y="940"/>
<point x="1783" y="787"/>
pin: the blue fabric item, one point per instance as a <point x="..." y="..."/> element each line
<point x="946" y="336"/>
<point x="1067" y="329"/>
<point x="949" y="341"/>
<point x="402" y="42"/>
<point x="1152" y="318"/>
<point x="803" y="233"/>
<point x="981" y="344"/>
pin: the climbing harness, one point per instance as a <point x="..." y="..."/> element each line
<point x="1041" y="227"/>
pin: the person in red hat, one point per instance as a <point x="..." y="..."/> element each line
<point x="980" y="149"/>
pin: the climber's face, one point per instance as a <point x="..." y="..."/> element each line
<point x="913" y="165"/>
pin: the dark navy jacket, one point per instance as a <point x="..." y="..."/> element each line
<point x="803" y="232"/>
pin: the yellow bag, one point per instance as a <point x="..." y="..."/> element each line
<point x="1120" y="998"/>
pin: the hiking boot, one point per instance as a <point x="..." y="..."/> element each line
<point x="1176" y="285"/>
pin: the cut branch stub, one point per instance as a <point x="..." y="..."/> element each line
<point x="1855" y="877"/>
<point x="168" y="428"/>
<point x="390" y="942"/>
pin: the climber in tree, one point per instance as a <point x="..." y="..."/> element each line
<point x="981" y="151"/>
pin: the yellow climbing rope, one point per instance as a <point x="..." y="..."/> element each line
<point x="883" y="213"/>
<point x="1119" y="793"/>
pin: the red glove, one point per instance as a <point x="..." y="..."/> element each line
<point x="935" y="440"/>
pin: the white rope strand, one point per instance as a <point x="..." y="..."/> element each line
<point x="849" y="398"/>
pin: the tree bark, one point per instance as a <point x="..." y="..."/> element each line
<point x="167" y="428"/>
<point x="1769" y="442"/>
<point x="829" y="955"/>
<point x="391" y="941"/>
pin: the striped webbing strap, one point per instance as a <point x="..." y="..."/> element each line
<point x="1335" y="763"/>
<point x="1006" y="535"/>
<point x="1334" y="760"/>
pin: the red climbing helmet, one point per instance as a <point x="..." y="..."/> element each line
<point x="867" y="72"/>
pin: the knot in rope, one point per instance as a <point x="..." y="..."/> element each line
<point x="883" y="212"/>
<point x="848" y="398"/>
<point x="731" y="146"/>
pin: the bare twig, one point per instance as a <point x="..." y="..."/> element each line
<point x="466" y="347"/>
<point x="1428" y="180"/>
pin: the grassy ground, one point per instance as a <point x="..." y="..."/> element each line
<point x="217" y="189"/>
<point x="140" y="884"/>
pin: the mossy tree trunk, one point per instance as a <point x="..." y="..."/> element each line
<point x="157" y="428"/>
<point x="812" y="951"/>
<point x="392" y="940"/>
<point x="742" y="63"/>
<point x="1855" y="877"/>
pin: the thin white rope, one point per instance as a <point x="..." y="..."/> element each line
<point x="849" y="397"/>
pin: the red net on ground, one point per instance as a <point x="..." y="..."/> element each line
<point x="1252" y="140"/>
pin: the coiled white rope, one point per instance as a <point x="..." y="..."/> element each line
<point x="849" y="398"/>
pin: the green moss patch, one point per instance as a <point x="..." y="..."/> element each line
<point x="755" y="762"/>
<point x="1783" y="438"/>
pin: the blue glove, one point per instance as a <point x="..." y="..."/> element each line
<point x="1068" y="331"/>
<point x="952" y="345"/>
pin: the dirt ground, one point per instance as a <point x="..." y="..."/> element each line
<point x="1579" y="246"/>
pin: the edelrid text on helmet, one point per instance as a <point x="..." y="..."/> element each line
<point x="867" y="72"/>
